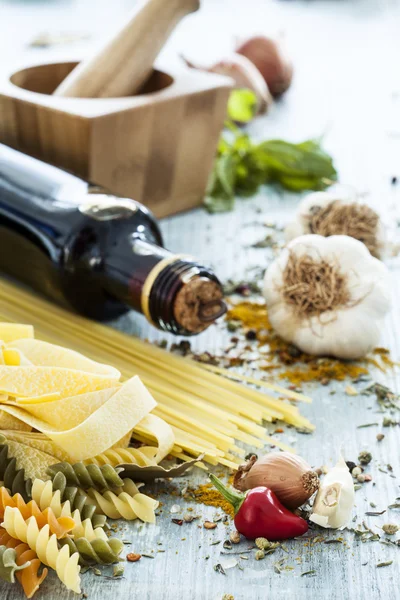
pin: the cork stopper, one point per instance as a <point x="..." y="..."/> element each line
<point x="198" y="304"/>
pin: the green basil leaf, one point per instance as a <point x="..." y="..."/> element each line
<point x="219" y="204"/>
<point x="242" y="166"/>
<point x="225" y="172"/>
<point x="299" y="184"/>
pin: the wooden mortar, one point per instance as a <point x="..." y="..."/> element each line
<point x="156" y="146"/>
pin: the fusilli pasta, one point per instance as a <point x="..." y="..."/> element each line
<point x="45" y="546"/>
<point x="13" y="478"/>
<point x="98" y="551"/>
<point x="29" y="577"/>
<point x="8" y="564"/>
<point x="64" y="500"/>
<point x="85" y="529"/>
<point x="128" y="504"/>
<point x="143" y="457"/>
<point x="60" y="526"/>
<point x="88" y="476"/>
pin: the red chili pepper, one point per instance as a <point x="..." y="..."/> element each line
<point x="260" y="514"/>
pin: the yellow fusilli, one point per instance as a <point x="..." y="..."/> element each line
<point x="46" y="497"/>
<point x="143" y="457"/>
<point x="45" y="545"/>
<point x="85" y="529"/>
<point x="60" y="526"/>
<point x="129" y="504"/>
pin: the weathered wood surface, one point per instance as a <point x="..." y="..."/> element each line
<point x="347" y="84"/>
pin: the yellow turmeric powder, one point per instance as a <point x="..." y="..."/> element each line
<point x="208" y="495"/>
<point x="252" y="315"/>
<point x="323" y="372"/>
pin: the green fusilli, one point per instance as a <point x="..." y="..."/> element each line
<point x="77" y="500"/>
<point x="8" y="565"/>
<point x="12" y="477"/>
<point x="88" y="476"/>
<point x="99" y="551"/>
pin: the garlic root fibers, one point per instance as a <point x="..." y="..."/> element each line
<point x="324" y="214"/>
<point x="313" y="286"/>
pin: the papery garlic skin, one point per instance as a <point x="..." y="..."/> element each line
<point x="334" y="501"/>
<point x="349" y="331"/>
<point x="320" y="200"/>
<point x="311" y="201"/>
<point x="244" y="75"/>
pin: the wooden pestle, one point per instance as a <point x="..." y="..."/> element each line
<point x="125" y="61"/>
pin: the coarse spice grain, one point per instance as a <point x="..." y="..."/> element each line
<point x="132" y="557"/>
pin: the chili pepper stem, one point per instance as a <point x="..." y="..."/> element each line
<point x="232" y="497"/>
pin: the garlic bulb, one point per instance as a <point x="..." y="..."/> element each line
<point x="327" y="296"/>
<point x="244" y="74"/>
<point x="326" y="214"/>
<point x="287" y="475"/>
<point x="333" y="504"/>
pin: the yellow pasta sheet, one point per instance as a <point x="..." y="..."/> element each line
<point x="34" y="381"/>
<point x="49" y="355"/>
<point x="14" y="331"/>
<point x="99" y="430"/>
<point x="160" y="431"/>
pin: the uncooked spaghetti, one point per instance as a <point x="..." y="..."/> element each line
<point x="208" y="413"/>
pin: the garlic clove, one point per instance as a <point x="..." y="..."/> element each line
<point x="244" y="74"/>
<point x="334" y="501"/>
<point x="320" y="520"/>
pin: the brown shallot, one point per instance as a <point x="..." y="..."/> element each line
<point x="287" y="475"/>
<point x="268" y="56"/>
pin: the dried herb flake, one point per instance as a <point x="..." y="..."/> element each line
<point x="219" y="569"/>
<point x="372" y="513"/>
<point x="384" y="564"/>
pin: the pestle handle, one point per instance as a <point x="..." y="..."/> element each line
<point x="125" y="61"/>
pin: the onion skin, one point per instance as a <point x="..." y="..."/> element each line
<point x="244" y="74"/>
<point x="267" y="55"/>
<point x="287" y="475"/>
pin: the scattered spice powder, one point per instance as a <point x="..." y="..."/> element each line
<point x="305" y="368"/>
<point x="206" y="494"/>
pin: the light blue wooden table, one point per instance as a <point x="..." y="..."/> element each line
<point x="347" y="84"/>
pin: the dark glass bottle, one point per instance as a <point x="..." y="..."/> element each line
<point x="94" y="252"/>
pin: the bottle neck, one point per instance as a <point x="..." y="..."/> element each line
<point x="174" y="292"/>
